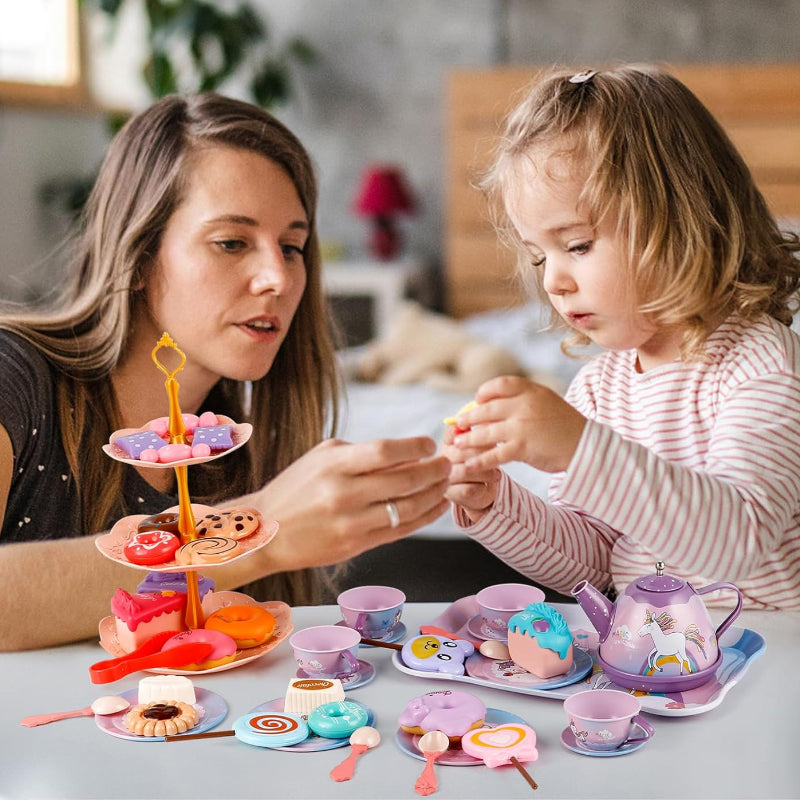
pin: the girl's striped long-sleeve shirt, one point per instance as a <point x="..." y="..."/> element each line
<point x="696" y="464"/>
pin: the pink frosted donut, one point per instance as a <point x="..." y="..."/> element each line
<point x="453" y="713"/>
<point x="223" y="652"/>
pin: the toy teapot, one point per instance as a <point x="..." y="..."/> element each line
<point x="658" y="636"/>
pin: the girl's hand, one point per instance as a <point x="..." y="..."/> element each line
<point x="518" y="420"/>
<point x="474" y="490"/>
<point x="331" y="502"/>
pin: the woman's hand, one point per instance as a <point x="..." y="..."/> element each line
<point x="474" y="490"/>
<point x="332" y="502"/>
<point x="518" y="420"/>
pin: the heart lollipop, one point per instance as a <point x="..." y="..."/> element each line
<point x="511" y="743"/>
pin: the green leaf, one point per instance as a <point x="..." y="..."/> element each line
<point x="270" y="85"/>
<point x="301" y="50"/>
<point x="159" y="75"/>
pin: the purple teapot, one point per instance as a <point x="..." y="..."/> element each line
<point x="658" y="636"/>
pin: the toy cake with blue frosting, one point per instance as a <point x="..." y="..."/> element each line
<point x="540" y="641"/>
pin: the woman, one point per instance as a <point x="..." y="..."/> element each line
<point x="201" y="223"/>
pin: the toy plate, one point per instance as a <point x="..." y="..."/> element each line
<point x="213" y="601"/>
<point x="740" y="647"/>
<point x="314" y="742"/>
<point x="211" y="707"/>
<point x="240" y="433"/>
<point x="455" y="756"/>
<point x="112" y="544"/>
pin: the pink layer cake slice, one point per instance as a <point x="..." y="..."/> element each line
<point x="141" y="616"/>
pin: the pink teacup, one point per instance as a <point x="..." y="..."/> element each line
<point x="374" y="611"/>
<point x="605" y="719"/>
<point x="327" y="651"/>
<point x="498" y="603"/>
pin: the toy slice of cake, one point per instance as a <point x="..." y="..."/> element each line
<point x="540" y="641"/>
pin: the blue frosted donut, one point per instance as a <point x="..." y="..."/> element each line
<point x="338" y="719"/>
<point x="271" y="729"/>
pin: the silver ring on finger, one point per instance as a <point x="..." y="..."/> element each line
<point x="394" y="514"/>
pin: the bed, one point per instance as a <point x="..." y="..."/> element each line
<point x="760" y="107"/>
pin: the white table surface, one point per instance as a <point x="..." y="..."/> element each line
<point x="745" y="747"/>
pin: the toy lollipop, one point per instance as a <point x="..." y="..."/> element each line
<point x="177" y="436"/>
<point x="511" y="743"/>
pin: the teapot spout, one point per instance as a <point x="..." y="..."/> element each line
<point x="596" y="606"/>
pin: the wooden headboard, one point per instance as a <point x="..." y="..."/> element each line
<point x="759" y="105"/>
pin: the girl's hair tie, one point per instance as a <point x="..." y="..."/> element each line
<point x="582" y="77"/>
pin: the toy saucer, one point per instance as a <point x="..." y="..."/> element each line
<point x="398" y="632"/>
<point x="313" y="742"/>
<point x="210" y="706"/>
<point x="366" y="672"/>
<point x="454" y="756"/>
<point x="478" y="629"/>
<point x="571" y="743"/>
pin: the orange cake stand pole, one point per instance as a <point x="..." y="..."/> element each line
<point x="186" y="522"/>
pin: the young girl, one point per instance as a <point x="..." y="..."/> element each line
<point x="202" y="224"/>
<point x="633" y="212"/>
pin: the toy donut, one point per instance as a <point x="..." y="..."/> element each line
<point x="337" y="720"/>
<point x="165" y="521"/>
<point x="453" y="713"/>
<point x="248" y="626"/>
<point x="151" y="547"/>
<point x="211" y="550"/>
<point x="223" y="652"/>
<point x="271" y="729"/>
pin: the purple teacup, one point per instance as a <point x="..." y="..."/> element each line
<point x="498" y="603"/>
<point x="374" y="611"/>
<point x="327" y="651"/>
<point x="605" y="719"/>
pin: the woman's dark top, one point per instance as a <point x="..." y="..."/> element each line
<point x="42" y="502"/>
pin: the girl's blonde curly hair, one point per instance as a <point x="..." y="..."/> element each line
<point x="701" y="241"/>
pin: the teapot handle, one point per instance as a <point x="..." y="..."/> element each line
<point x="735" y="613"/>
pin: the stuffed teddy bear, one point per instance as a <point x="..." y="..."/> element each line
<point x="425" y="347"/>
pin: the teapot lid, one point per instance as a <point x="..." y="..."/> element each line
<point x="659" y="582"/>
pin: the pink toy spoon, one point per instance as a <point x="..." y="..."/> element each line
<point x="361" y="740"/>
<point x="108" y="704"/>
<point x="431" y="745"/>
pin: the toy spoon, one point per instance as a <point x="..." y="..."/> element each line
<point x="361" y="740"/>
<point x="108" y="704"/>
<point x="431" y="745"/>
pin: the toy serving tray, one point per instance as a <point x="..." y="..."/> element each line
<point x="740" y="647"/>
<point x="240" y="433"/>
<point x="214" y="601"/>
<point x="112" y="544"/>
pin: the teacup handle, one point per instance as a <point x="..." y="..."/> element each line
<point x="735" y="613"/>
<point x="645" y="726"/>
<point x="352" y="663"/>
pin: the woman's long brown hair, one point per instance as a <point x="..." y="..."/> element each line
<point x="85" y="332"/>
